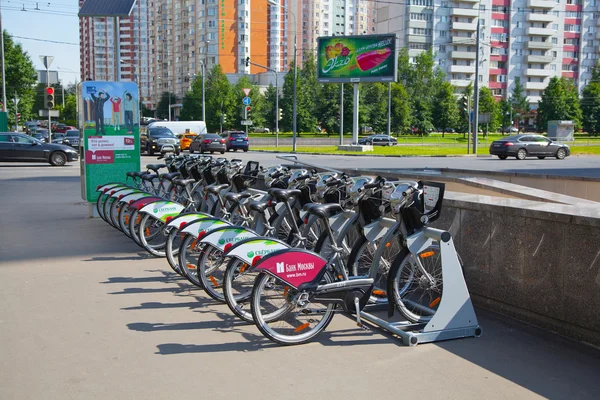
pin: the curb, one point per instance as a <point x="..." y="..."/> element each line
<point x="377" y="155"/>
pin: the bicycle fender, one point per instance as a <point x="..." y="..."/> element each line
<point x="183" y="219"/>
<point x="124" y="192"/>
<point x="418" y="242"/>
<point x="106" y="187"/>
<point x="203" y="226"/>
<point x="132" y="197"/>
<point x="142" y="202"/>
<point x="251" y="250"/>
<point x="162" y="210"/>
<point x="340" y="220"/>
<point x="293" y="266"/>
<point x="224" y="237"/>
<point x="378" y="228"/>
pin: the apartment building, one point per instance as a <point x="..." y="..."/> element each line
<point x="97" y="48"/>
<point x="533" y="40"/>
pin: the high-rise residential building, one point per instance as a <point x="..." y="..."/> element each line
<point x="97" y="50"/>
<point x="533" y="40"/>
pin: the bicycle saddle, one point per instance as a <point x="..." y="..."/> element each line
<point x="322" y="210"/>
<point x="259" y="206"/>
<point x="136" y="174"/>
<point x="155" y="167"/>
<point x="216" y="188"/>
<point x="149" y="177"/>
<point x="170" y="176"/>
<point x="183" y="182"/>
<point x="284" y="194"/>
<point x="237" y="197"/>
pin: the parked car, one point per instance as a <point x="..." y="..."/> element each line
<point x="20" y="147"/>
<point x="160" y="140"/>
<point x="41" y="134"/>
<point x="510" y="129"/>
<point x="186" y="139"/>
<point x="261" y="130"/>
<point x="30" y="127"/>
<point x="236" y="140"/>
<point x="69" y="138"/>
<point x="208" y="142"/>
<point x="378" y="140"/>
<point x="527" y="145"/>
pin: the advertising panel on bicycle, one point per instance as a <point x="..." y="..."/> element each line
<point x="294" y="267"/>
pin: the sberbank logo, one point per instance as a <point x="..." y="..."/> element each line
<point x="221" y="241"/>
<point x="234" y="239"/>
<point x="252" y="254"/>
<point x="165" y="209"/>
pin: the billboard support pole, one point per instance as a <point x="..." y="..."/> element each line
<point x="389" y="125"/>
<point x="342" y="115"/>
<point x="355" y="115"/>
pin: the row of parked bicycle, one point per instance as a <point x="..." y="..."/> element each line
<point x="287" y="257"/>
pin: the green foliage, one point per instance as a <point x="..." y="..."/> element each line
<point x="219" y="100"/>
<point x="162" y="108"/>
<point x="20" y="79"/>
<point x="401" y="115"/>
<point x="375" y="106"/>
<point x="445" y="113"/>
<point x="559" y="102"/>
<point x="487" y="104"/>
<point x="518" y="99"/>
<point x="505" y="109"/>
<point x="192" y="102"/>
<point x="269" y="111"/>
<point x="328" y="108"/>
<point x="590" y="103"/>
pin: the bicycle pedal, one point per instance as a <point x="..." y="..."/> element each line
<point x="364" y="327"/>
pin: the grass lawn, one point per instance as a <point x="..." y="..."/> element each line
<point x="410" y="150"/>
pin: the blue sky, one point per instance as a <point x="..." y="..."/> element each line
<point x="55" y="21"/>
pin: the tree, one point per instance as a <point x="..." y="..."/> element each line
<point x="464" y="102"/>
<point x="590" y="103"/>
<point x="401" y="114"/>
<point x="219" y="100"/>
<point x="308" y="92"/>
<point x="162" y="109"/>
<point x="192" y="102"/>
<point x="487" y="104"/>
<point x="422" y="118"/>
<point x="374" y="105"/>
<point x="518" y="100"/>
<point x="328" y="108"/>
<point x="20" y="79"/>
<point x="446" y="109"/>
<point x="505" y="114"/>
<point x="69" y="112"/>
<point x="269" y="112"/>
<point x="559" y="102"/>
<point x="257" y="103"/>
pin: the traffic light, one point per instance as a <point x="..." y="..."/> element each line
<point x="280" y="115"/>
<point x="465" y="105"/>
<point x="50" y="97"/>
<point x="248" y="112"/>
<point x="247" y="61"/>
<point x="223" y="118"/>
<point x="18" y="117"/>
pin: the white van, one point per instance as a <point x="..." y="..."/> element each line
<point x="179" y="127"/>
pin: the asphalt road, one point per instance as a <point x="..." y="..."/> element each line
<point x="85" y="314"/>
<point x="581" y="166"/>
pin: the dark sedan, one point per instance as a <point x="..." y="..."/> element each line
<point x="70" y="138"/>
<point x="19" y="147"/>
<point x="523" y="146"/>
<point x="208" y="142"/>
<point x="378" y="140"/>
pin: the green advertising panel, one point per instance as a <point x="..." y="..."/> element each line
<point x="109" y="114"/>
<point x="366" y="58"/>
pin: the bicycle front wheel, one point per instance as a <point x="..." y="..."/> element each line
<point x="211" y="270"/>
<point x="174" y="241"/>
<point x="237" y="288"/>
<point x="153" y="235"/>
<point x="286" y="315"/>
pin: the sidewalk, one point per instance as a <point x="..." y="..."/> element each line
<point x="85" y="314"/>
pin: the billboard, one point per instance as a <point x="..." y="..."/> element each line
<point x="364" y="58"/>
<point x="109" y="118"/>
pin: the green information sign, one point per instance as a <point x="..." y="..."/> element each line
<point x="365" y="58"/>
<point x="109" y="114"/>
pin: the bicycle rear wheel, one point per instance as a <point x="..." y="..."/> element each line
<point x="189" y="253"/>
<point x="153" y="235"/>
<point x="237" y="288"/>
<point x="211" y="270"/>
<point x="174" y="240"/>
<point x="298" y="320"/>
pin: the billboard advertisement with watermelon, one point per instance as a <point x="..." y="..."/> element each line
<point x="365" y="58"/>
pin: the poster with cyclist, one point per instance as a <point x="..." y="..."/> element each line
<point x="109" y="118"/>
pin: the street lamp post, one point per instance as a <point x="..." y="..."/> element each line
<point x="203" y="101"/>
<point x="294" y="128"/>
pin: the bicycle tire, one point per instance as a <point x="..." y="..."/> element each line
<point x="189" y="253"/>
<point x="238" y="283"/>
<point x="134" y="226"/>
<point x="150" y="229"/>
<point x="174" y="240"/>
<point x="211" y="269"/>
<point x="107" y="207"/>
<point x="289" y="328"/>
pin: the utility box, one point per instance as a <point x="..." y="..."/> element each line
<point x="561" y="130"/>
<point x="3" y="121"/>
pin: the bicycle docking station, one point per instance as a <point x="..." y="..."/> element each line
<point x="455" y="317"/>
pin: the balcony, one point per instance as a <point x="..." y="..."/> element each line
<point x="539" y="59"/>
<point x="463" y="55"/>
<point x="464" y="26"/>
<point x="547" y="45"/>
<point x="538" y="72"/>
<point x="419" y="39"/>
<point x="541" y="4"/>
<point x="535" y="85"/>
<point x="464" y="12"/>
<point x="597" y="33"/>
<point x="531" y="17"/>
<point x="540" y="31"/>
<point x="467" y="40"/>
<point x="465" y="69"/>
<point x="460" y="82"/>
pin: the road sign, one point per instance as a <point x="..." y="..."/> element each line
<point x="246" y="122"/>
<point x="246" y="101"/>
<point x="53" y="113"/>
<point x="47" y="61"/>
<point x="246" y="91"/>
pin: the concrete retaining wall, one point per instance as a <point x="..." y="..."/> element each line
<point x="539" y="263"/>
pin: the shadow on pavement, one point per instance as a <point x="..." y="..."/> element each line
<point x="140" y="256"/>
